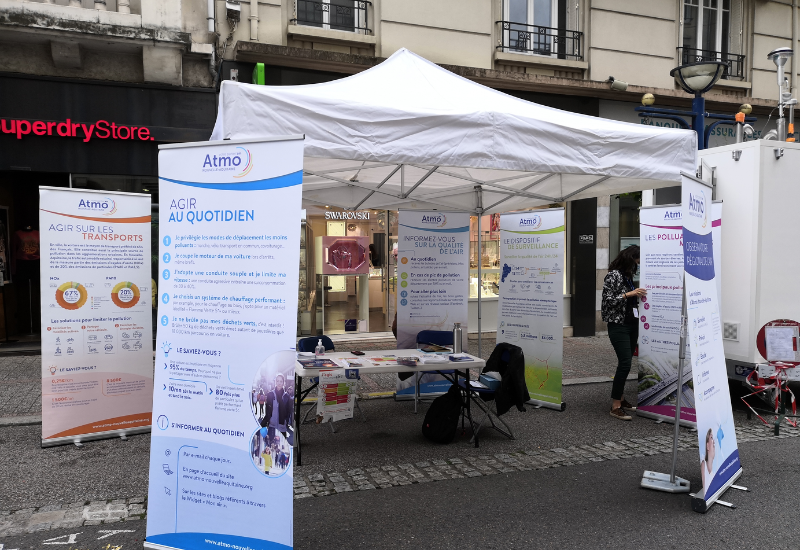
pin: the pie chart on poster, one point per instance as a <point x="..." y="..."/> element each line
<point x="71" y="295"/>
<point x="125" y="294"/>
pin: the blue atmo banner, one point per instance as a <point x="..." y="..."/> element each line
<point x="221" y="451"/>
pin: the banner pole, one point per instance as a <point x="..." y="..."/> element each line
<point x="679" y="388"/>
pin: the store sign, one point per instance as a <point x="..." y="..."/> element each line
<point x="101" y="129"/>
<point x="346" y="215"/>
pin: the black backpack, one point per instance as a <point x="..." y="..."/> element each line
<point x="441" y="420"/>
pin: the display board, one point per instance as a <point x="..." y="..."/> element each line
<point x="229" y="244"/>
<point x="531" y="304"/>
<point x="661" y="273"/>
<point x="432" y="273"/>
<point x="97" y="350"/>
<point x="719" y="454"/>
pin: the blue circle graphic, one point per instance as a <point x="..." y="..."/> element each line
<point x="404" y="294"/>
<point x="167" y="241"/>
<point x="165" y="298"/>
<point x="165" y="320"/>
<point x="403" y="302"/>
<point x="162" y="422"/>
<point x="166" y="274"/>
<point x="167" y="257"/>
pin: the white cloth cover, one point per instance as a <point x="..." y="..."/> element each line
<point x="408" y="110"/>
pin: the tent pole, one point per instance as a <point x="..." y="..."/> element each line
<point x="479" y="210"/>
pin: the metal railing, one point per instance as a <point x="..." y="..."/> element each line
<point x="734" y="62"/>
<point x="338" y="15"/>
<point x="538" y="40"/>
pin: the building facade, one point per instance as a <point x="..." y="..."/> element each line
<point x="153" y="67"/>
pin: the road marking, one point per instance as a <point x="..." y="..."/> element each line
<point x="112" y="533"/>
<point x="54" y="540"/>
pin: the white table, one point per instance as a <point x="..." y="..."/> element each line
<point x="375" y="368"/>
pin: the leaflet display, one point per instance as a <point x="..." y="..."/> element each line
<point x="229" y="244"/>
<point x="531" y="304"/>
<point x="432" y="271"/>
<point x="719" y="454"/>
<point x="97" y="351"/>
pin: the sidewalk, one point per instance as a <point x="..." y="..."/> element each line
<point x="589" y="359"/>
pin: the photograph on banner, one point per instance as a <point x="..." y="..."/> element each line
<point x="432" y="273"/>
<point x="661" y="272"/>
<point x="531" y="302"/>
<point x="221" y="450"/>
<point x="719" y="455"/>
<point x="97" y="347"/>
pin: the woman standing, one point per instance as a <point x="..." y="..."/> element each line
<point x="620" y="311"/>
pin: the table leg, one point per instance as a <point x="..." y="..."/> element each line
<point x="298" y="384"/>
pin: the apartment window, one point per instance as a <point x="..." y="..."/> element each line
<point x="339" y="15"/>
<point x="542" y="27"/>
<point x="712" y="31"/>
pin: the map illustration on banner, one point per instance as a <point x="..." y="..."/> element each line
<point x="661" y="273"/>
<point x="719" y="454"/>
<point x="432" y="271"/>
<point x="221" y="451"/>
<point x="97" y="358"/>
<point x="531" y="303"/>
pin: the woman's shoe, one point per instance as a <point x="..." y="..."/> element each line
<point x="626" y="405"/>
<point x="620" y="414"/>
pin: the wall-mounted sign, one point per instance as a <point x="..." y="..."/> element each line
<point x="586" y="239"/>
<point x="102" y="129"/>
<point x="347" y="215"/>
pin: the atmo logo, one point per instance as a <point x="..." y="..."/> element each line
<point x="439" y="220"/>
<point x="534" y="222"/>
<point x="238" y="161"/>
<point x="672" y="215"/>
<point x="697" y="206"/>
<point x="107" y="206"/>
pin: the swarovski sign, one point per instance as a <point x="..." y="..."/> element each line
<point x="346" y="215"/>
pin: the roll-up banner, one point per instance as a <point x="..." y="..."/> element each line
<point x="531" y="303"/>
<point x="97" y="334"/>
<point x="229" y="251"/>
<point x="432" y="271"/>
<point x="661" y="273"/>
<point x="719" y="454"/>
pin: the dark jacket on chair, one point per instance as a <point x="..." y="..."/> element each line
<point x="513" y="390"/>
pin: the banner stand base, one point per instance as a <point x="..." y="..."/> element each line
<point x="699" y="504"/>
<point x="560" y="407"/>
<point x="663" y="418"/>
<point x="79" y="440"/>
<point x="661" y="482"/>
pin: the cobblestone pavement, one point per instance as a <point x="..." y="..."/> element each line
<point x="20" y="376"/>
<point x="77" y="514"/>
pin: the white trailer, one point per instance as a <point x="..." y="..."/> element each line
<point x="759" y="184"/>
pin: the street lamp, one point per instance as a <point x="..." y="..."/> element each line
<point x="697" y="79"/>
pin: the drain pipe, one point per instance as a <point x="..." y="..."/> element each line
<point x="254" y="20"/>
<point x="212" y="63"/>
<point x="793" y="68"/>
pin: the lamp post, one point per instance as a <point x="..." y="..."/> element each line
<point x="697" y="79"/>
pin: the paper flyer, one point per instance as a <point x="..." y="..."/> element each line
<point x="97" y="356"/>
<point x="221" y="451"/>
<point x="336" y="395"/>
<point x="531" y="304"/>
<point x="432" y="271"/>
<point x="719" y="454"/>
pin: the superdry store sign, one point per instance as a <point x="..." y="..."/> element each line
<point x="102" y="129"/>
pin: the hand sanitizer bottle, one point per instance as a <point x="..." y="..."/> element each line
<point x="319" y="351"/>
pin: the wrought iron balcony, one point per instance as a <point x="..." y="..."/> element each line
<point x="338" y="15"/>
<point x="538" y="40"/>
<point x="734" y="63"/>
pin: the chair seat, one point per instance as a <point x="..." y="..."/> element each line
<point x="450" y="371"/>
<point x="485" y="391"/>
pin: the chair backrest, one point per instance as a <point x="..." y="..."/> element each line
<point x="502" y="358"/>
<point x="438" y="337"/>
<point x="310" y="344"/>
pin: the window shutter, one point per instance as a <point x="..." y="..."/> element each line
<point x="736" y="38"/>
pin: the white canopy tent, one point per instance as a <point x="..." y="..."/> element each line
<point x="410" y="134"/>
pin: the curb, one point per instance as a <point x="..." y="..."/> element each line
<point x="20" y="420"/>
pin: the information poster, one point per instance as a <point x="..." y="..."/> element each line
<point x="661" y="273"/>
<point x="336" y="394"/>
<point x="97" y="335"/>
<point x="531" y="303"/>
<point x="719" y="454"/>
<point x="229" y="246"/>
<point x="432" y="273"/>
